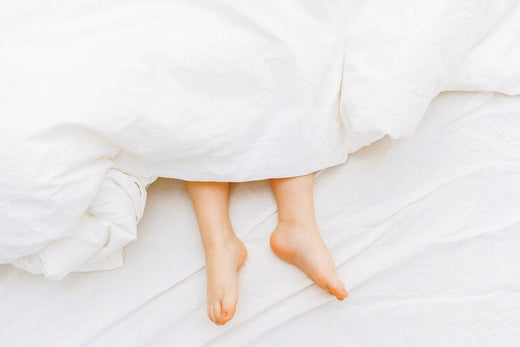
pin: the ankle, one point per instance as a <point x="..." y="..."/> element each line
<point x="219" y="241"/>
<point x="232" y="247"/>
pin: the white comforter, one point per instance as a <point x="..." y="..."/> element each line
<point x="98" y="98"/>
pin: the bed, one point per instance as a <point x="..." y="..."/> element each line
<point x="107" y="105"/>
<point x="425" y="232"/>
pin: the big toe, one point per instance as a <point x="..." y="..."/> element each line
<point x="229" y="303"/>
<point x="216" y="312"/>
<point x="337" y="288"/>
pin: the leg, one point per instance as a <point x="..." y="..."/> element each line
<point x="224" y="252"/>
<point x="297" y="239"/>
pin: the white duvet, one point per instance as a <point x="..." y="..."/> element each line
<point x="99" y="98"/>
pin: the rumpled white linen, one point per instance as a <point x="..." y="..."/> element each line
<point x="424" y="231"/>
<point x="99" y="98"/>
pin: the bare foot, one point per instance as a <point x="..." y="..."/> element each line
<point x="223" y="260"/>
<point x="304" y="247"/>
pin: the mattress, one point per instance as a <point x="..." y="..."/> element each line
<point x="424" y="230"/>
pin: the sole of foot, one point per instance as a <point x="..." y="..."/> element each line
<point x="304" y="247"/>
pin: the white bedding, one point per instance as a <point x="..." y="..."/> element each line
<point x="100" y="97"/>
<point x="425" y="231"/>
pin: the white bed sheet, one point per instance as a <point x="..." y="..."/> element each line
<point x="425" y="232"/>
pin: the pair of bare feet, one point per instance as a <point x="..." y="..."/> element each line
<point x="300" y="245"/>
<point x="296" y="240"/>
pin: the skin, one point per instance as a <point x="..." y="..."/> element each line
<point x="296" y="239"/>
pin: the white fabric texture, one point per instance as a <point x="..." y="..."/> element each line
<point x="424" y="230"/>
<point x="99" y="98"/>
<point x="400" y="54"/>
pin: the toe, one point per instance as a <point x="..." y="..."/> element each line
<point x="337" y="288"/>
<point x="211" y="314"/>
<point x="229" y="303"/>
<point x="341" y="294"/>
<point x="216" y="312"/>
